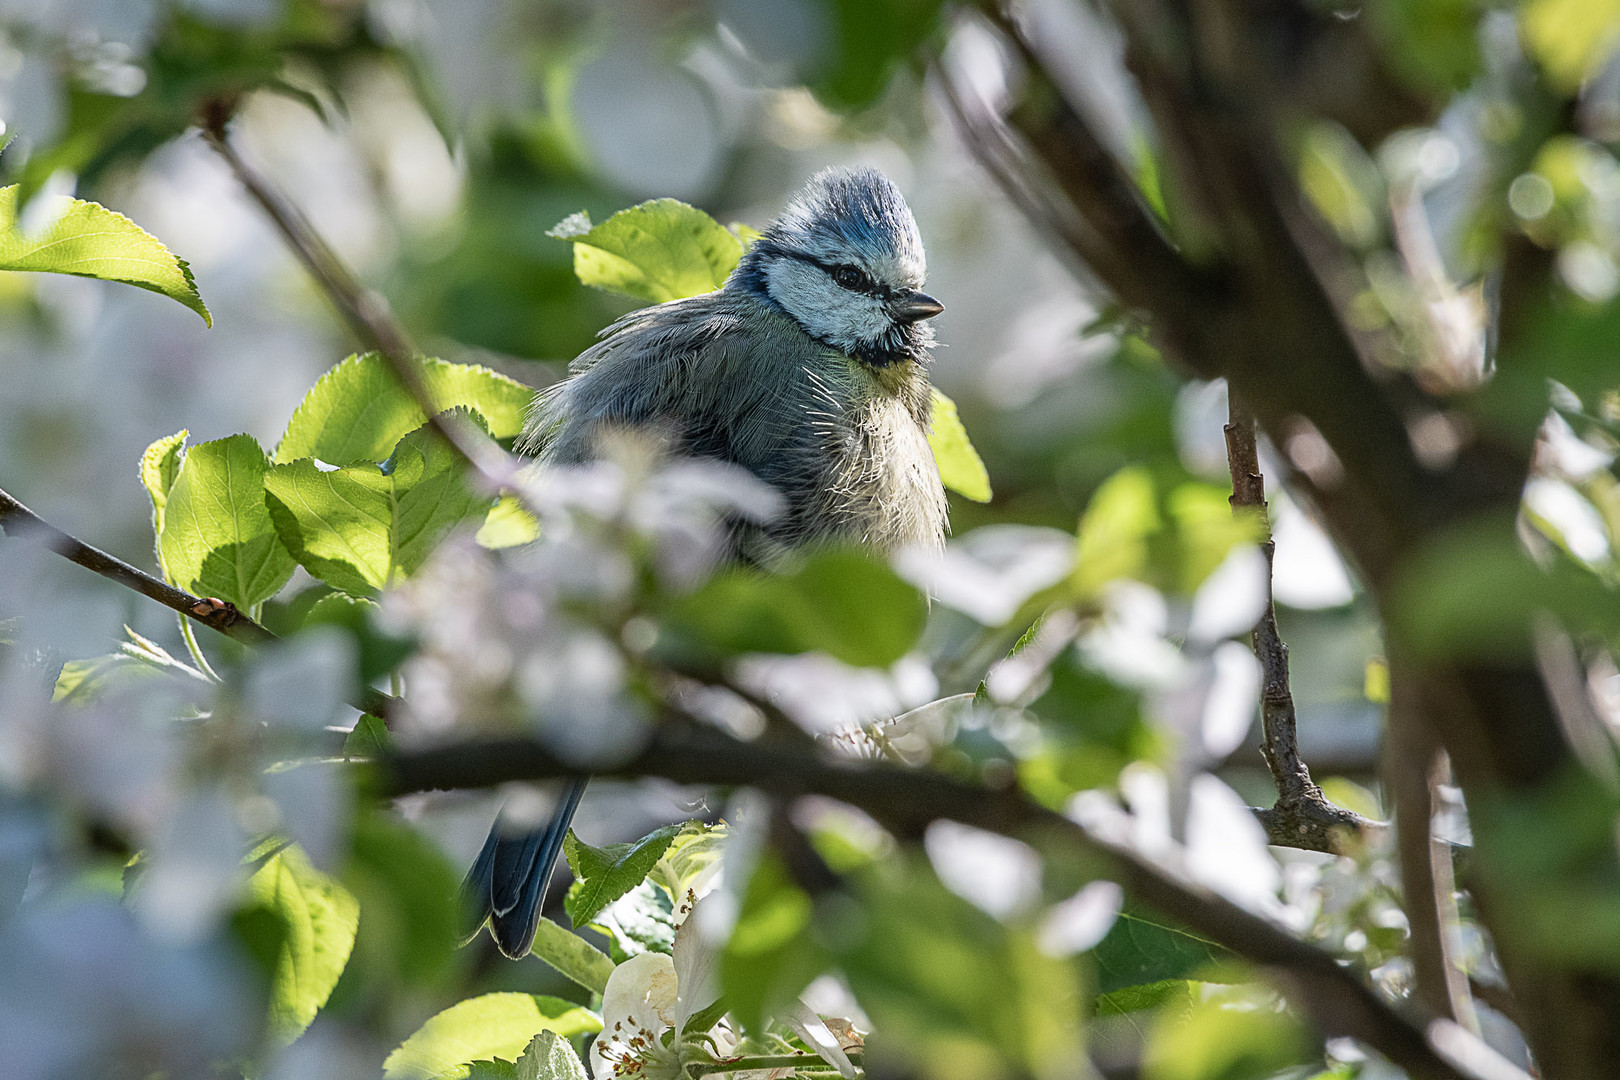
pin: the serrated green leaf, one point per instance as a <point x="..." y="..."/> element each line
<point x="85" y="239"/>
<point x="160" y="466"/>
<point x="508" y="524"/>
<point x="642" y="920"/>
<point x="572" y="955"/>
<point x="358" y="411"/>
<point x="217" y="537"/>
<point x="1141" y="949"/>
<point x="841" y="602"/>
<point x="490" y="1026"/>
<point x="364" y="526"/>
<point x="602" y="875"/>
<point x="321" y="918"/>
<point x="369" y="738"/>
<point x="658" y="251"/>
<point x="960" y="467"/>
<point x="550" y="1057"/>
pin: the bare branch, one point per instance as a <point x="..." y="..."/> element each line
<point x="19" y="521"/>
<point x="367" y="315"/>
<point x="1302" y="817"/>
<point x="906" y="800"/>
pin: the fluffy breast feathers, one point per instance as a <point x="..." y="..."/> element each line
<point x="725" y="376"/>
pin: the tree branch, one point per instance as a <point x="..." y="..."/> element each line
<point x="1302" y="816"/>
<point x="22" y="523"/>
<point x="366" y="312"/>
<point x="906" y="800"/>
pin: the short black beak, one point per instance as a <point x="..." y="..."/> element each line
<point x="912" y="306"/>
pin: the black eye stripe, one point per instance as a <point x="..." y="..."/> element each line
<point x="858" y="281"/>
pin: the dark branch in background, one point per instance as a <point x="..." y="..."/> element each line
<point x="905" y="801"/>
<point x="18" y="521"/>
<point x="1412" y="768"/>
<point x="1302" y="816"/>
<point x="364" y="310"/>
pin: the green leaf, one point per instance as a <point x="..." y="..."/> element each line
<point x="691" y="856"/>
<point x="508" y="524"/>
<point x="660" y="250"/>
<point x="771" y="955"/>
<point x="88" y="240"/>
<point x="321" y="918"/>
<point x="82" y="681"/>
<point x="160" y="467"/>
<point x="1217" y="1040"/>
<point x="364" y="526"/>
<point x="379" y="652"/>
<point x="217" y="537"/>
<point x="643" y="920"/>
<point x="1113" y="541"/>
<point x="872" y="38"/>
<point x="602" y="875"/>
<point x="960" y="467"/>
<point x="572" y="955"/>
<point x="959" y="992"/>
<point x="358" y="411"/>
<point x="841" y="602"/>
<point x="1570" y="38"/>
<point x="368" y="739"/>
<point x="407" y="889"/>
<point x="491" y="1026"/>
<point x="1141" y="949"/>
<point x="550" y="1057"/>
<point x="1174" y="994"/>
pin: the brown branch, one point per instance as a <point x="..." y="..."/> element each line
<point x="366" y="312"/>
<point x="1413" y="767"/>
<point x="906" y="800"/>
<point x="1302" y="816"/>
<point x="18" y="521"/>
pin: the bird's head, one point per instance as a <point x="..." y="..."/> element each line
<point x="845" y="262"/>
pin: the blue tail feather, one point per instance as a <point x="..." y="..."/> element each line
<point x="506" y="886"/>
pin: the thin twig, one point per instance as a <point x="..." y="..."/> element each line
<point x="367" y="314"/>
<point x="1302" y="816"/>
<point x="905" y="801"/>
<point x="18" y="521"/>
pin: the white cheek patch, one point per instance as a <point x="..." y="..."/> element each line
<point x="847" y="320"/>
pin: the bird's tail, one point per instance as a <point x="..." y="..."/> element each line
<point x="506" y="886"/>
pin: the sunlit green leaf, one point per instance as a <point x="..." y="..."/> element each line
<point x="88" y="240"/>
<point x="508" y="524"/>
<point x="217" y="537"/>
<point x="160" y="466"/>
<point x="960" y="467"/>
<point x="1115" y="529"/>
<point x="602" y="875"/>
<point x="660" y="250"/>
<point x="321" y="918"/>
<point x="358" y="411"/>
<point x="1225" y="1038"/>
<point x="771" y="956"/>
<point x="364" y="526"/>
<point x="491" y="1026"/>
<point x="1570" y="38"/>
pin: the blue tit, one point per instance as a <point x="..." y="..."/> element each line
<point x="809" y="368"/>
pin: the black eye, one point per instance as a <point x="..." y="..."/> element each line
<point x="849" y="277"/>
